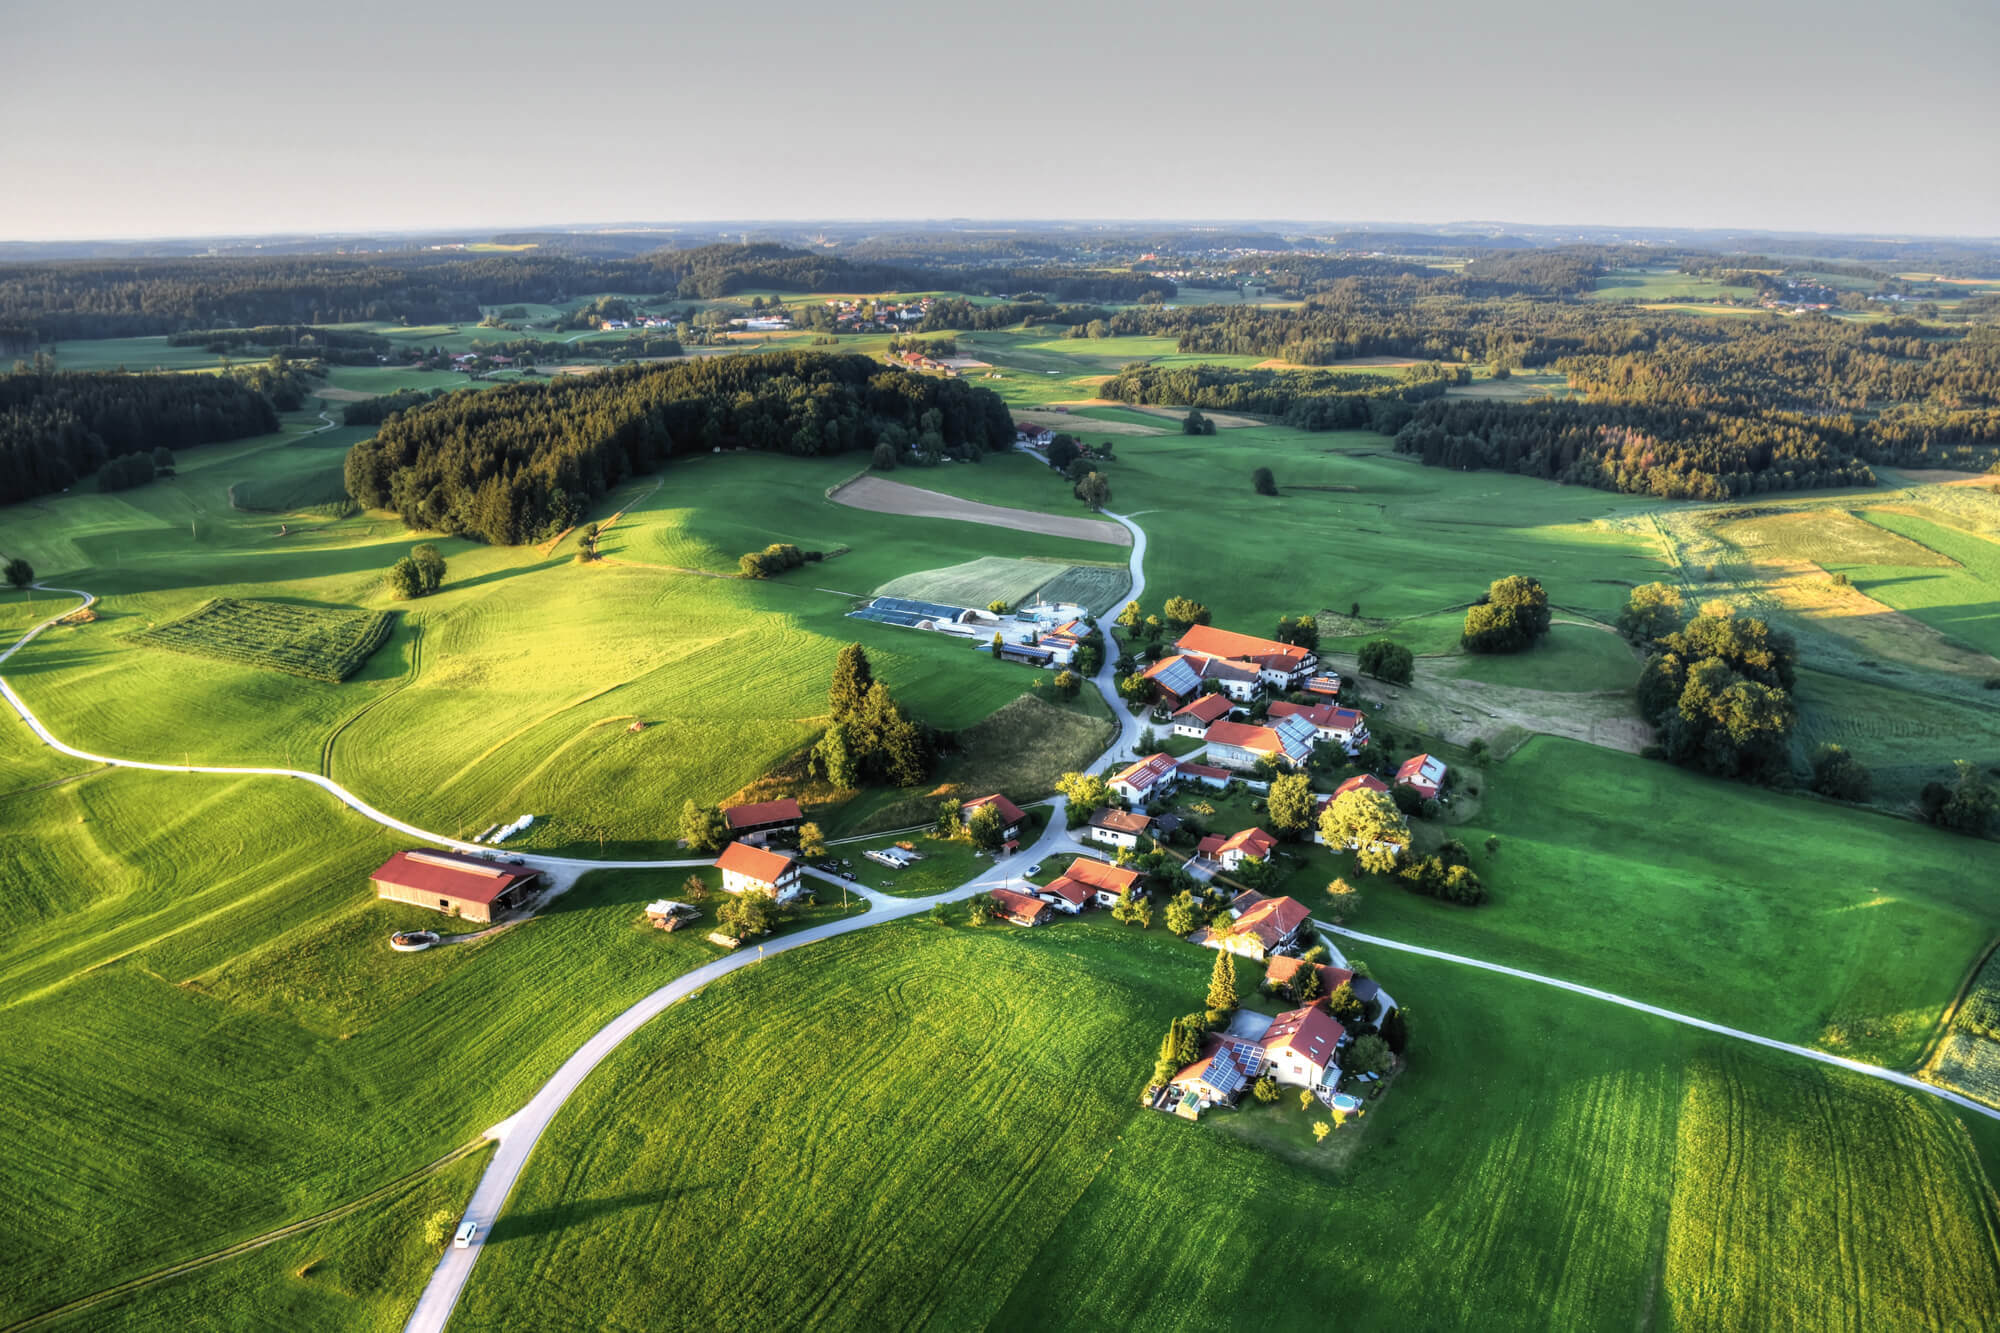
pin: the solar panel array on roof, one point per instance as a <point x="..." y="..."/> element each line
<point x="1296" y="734"/>
<point x="926" y="610"/>
<point x="1179" y="678"/>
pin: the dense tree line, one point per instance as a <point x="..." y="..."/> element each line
<point x="526" y="460"/>
<point x="1717" y="686"/>
<point x="374" y="411"/>
<point x="1680" y="454"/>
<point x="1309" y="399"/>
<point x="56" y="428"/>
<point x="338" y="346"/>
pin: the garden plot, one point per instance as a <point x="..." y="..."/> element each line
<point x="317" y="642"/>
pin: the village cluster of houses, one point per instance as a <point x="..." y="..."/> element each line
<point x="877" y="315"/>
<point x="642" y="322"/>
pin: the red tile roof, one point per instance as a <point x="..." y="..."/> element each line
<point x="1411" y="774"/>
<point x="1311" y="1031"/>
<point x="1271" y="920"/>
<point x="1208" y="708"/>
<point x="1072" y="891"/>
<point x="1209" y="846"/>
<point x="1099" y="875"/>
<point x="1361" y="782"/>
<point x="452" y="875"/>
<point x="1283" y="969"/>
<point x="1213" y="642"/>
<point x="1008" y="810"/>
<point x="763" y="866"/>
<point x="1018" y="905"/>
<point x="1120" y="821"/>
<point x="763" y="812"/>
<point x="1146" y="772"/>
<point x="1325" y="716"/>
<point x="1195" y="770"/>
<point x="1245" y="736"/>
<point x="1251" y="842"/>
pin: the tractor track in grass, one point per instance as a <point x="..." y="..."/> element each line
<point x="409" y="679"/>
<point x="379" y="1194"/>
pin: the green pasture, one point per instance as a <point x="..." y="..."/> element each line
<point x="141" y="354"/>
<point x="205" y="1034"/>
<point x="1545" y="1161"/>
<point x="1962" y="601"/>
<point x="515" y="689"/>
<point x="1791" y="918"/>
<point x="1896" y="723"/>
<point x="1570" y="658"/>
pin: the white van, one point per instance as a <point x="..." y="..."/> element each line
<point x="463" y="1240"/>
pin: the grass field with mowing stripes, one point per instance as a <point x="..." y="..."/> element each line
<point x="317" y="642"/>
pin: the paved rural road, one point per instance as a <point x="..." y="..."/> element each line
<point x="1872" y="1071"/>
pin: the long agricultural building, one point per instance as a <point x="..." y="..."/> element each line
<point x="454" y="883"/>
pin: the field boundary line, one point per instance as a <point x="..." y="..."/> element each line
<point x="1886" y="1075"/>
<point x="299" y="1228"/>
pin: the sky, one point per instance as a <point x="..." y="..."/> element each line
<point x="198" y="118"/>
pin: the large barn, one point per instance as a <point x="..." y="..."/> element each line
<point x="454" y="883"/>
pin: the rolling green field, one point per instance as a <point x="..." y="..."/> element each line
<point x="513" y="689"/>
<point x="205" y="1034"/>
<point x="1544" y="1162"/>
<point x="1664" y="285"/>
<point x="1961" y="600"/>
<point x="1790" y="918"/>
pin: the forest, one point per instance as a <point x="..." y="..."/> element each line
<point x="1308" y="399"/>
<point x="524" y="461"/>
<point x="56" y="429"/>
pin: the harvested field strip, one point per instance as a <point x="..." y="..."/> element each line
<point x="893" y="497"/>
<point x="1079" y="425"/>
<point x="318" y="643"/>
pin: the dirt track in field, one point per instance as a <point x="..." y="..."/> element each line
<point x="893" y="497"/>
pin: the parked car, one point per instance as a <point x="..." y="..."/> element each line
<point x="1034" y="870"/>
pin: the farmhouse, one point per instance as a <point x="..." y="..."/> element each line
<point x="1020" y="909"/>
<point x="1252" y="844"/>
<point x="1010" y="832"/>
<point x="1180" y="678"/>
<point x="1226" y="1067"/>
<point x="1262" y="927"/>
<point x="1101" y="882"/>
<point x="1301" y="1047"/>
<point x="1240" y="745"/>
<point x="1027" y="654"/>
<point x="1281" y="664"/>
<point x="756" y="823"/>
<point x="1194" y="718"/>
<point x="454" y="883"/>
<point x="1147" y="779"/>
<point x="1035" y="437"/>
<point x="1118" y="828"/>
<point x="1346" y="727"/>
<point x="750" y="869"/>
<point x="1423" y="775"/>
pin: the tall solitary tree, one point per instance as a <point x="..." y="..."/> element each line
<point x="1222" y="982"/>
<point x="852" y="677"/>
<point x="430" y="568"/>
<point x="20" y="573"/>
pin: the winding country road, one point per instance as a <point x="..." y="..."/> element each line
<point x="517" y="1135"/>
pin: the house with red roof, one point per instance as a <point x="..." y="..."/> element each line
<point x="755" y="823"/>
<point x="1284" y="970"/>
<point x="1096" y="881"/>
<point x="1262" y="926"/>
<point x="1283" y="665"/>
<point x="1345" y="727"/>
<point x="1020" y="909"/>
<point x="454" y="883"/>
<point x="1249" y="844"/>
<point x="1148" y="779"/>
<point x="1118" y="828"/>
<point x="1208" y="775"/>
<point x="1241" y="745"/>
<point x="1195" y="717"/>
<point x="1422" y="774"/>
<point x="1219" y="1075"/>
<point x="747" y="868"/>
<point x="1302" y="1047"/>
<point x="1010" y="832"/>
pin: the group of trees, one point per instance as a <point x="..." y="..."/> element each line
<point x="775" y="559"/>
<point x="57" y="428"/>
<point x="1308" y="399"/>
<point x="870" y="738"/>
<point x="1717" y="687"/>
<point x="1509" y="616"/>
<point x="1370" y="823"/>
<point x="1385" y="659"/>
<point x="418" y="574"/>
<point x="1301" y="630"/>
<point x="526" y="460"/>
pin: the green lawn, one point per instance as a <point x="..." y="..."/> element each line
<point x="1545" y="1162"/>
<point x="1570" y="658"/>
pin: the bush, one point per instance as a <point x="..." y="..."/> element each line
<point x="1838" y="774"/>
<point x="1263" y="482"/>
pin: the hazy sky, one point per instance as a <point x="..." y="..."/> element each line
<point x="196" y="117"/>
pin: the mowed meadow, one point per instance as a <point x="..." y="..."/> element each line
<point x="597" y="697"/>
<point x="1545" y="1162"/>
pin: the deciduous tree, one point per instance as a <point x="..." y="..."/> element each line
<point x="1290" y="805"/>
<point x="1370" y="824"/>
<point x="19" y="572"/>
<point x="1387" y="660"/>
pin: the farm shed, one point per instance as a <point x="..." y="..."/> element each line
<point x="453" y="883"/>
